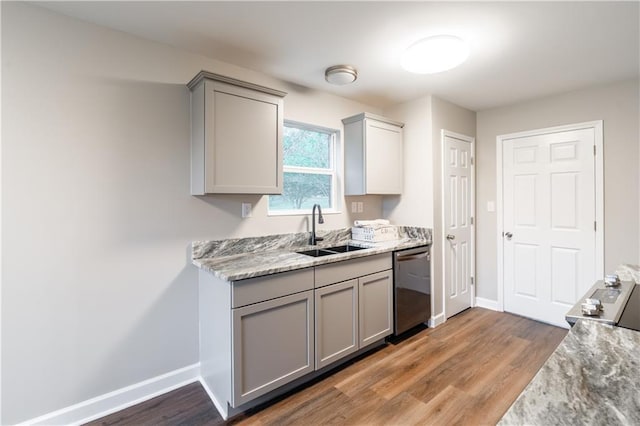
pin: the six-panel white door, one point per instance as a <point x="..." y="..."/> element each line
<point x="458" y="226"/>
<point x="549" y="240"/>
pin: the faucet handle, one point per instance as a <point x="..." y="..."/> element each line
<point x="319" y="239"/>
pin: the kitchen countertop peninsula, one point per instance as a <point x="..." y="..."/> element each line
<point x="242" y="258"/>
<point x="628" y="272"/>
<point x="592" y="378"/>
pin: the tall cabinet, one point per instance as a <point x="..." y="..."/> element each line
<point x="236" y="136"/>
<point x="373" y="155"/>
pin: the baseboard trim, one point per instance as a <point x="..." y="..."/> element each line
<point x="437" y="320"/>
<point x="120" y="399"/>
<point x="481" y="302"/>
<point x="223" y="412"/>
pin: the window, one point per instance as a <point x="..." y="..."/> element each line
<point x="309" y="168"/>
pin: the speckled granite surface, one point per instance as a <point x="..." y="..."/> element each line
<point x="241" y="258"/>
<point x="628" y="272"/>
<point x="592" y="378"/>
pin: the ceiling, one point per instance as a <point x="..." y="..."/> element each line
<point x="519" y="50"/>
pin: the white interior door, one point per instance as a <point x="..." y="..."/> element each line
<point x="549" y="238"/>
<point x="458" y="212"/>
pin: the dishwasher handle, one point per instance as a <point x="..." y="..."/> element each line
<point x="424" y="255"/>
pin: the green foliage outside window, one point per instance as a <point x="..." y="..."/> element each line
<point x="308" y="170"/>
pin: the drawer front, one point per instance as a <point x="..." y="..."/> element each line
<point x="254" y="290"/>
<point x="354" y="268"/>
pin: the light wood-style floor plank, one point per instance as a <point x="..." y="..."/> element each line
<point x="467" y="371"/>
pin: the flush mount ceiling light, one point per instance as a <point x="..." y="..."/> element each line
<point x="435" y="54"/>
<point x="340" y="74"/>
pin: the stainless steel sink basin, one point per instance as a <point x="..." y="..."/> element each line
<point x="317" y="252"/>
<point x="345" y="248"/>
<point x="328" y="251"/>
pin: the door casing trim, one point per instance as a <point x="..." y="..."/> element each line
<point x="597" y="126"/>
<point x="472" y="141"/>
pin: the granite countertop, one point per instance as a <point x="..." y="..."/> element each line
<point x="237" y="259"/>
<point x="627" y="272"/>
<point x="592" y="378"/>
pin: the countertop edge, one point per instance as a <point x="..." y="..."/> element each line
<point x="290" y="260"/>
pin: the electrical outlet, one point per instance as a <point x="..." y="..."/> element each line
<point x="360" y="207"/>
<point x="354" y="207"/>
<point x="246" y="210"/>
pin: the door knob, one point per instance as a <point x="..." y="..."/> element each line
<point x="508" y="235"/>
<point x="451" y="237"/>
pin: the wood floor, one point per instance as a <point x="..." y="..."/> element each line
<point x="467" y="371"/>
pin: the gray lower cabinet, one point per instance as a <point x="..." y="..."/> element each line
<point x="336" y="322"/>
<point x="260" y="334"/>
<point x="375" y="307"/>
<point x="355" y="310"/>
<point x="272" y="345"/>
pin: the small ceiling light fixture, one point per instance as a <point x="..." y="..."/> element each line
<point x="435" y="54"/>
<point x="341" y="74"/>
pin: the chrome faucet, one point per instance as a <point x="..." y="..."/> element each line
<point x="313" y="240"/>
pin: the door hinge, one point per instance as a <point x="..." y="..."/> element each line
<point x="595" y="225"/>
<point x="471" y="280"/>
<point x="472" y="161"/>
<point x="594" y="150"/>
<point x="472" y="220"/>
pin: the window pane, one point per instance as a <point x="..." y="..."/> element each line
<point x="302" y="191"/>
<point x="306" y="148"/>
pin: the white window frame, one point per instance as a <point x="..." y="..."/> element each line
<point x="331" y="171"/>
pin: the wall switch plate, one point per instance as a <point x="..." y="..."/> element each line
<point x="354" y="207"/>
<point x="360" y="207"/>
<point x="246" y="210"/>
<point x="491" y="206"/>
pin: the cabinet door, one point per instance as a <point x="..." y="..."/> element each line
<point x="272" y="345"/>
<point x="336" y="309"/>
<point x="383" y="158"/>
<point x="243" y="152"/>
<point x="375" y="307"/>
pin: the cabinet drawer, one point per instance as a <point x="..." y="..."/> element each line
<point x="354" y="268"/>
<point x="259" y="289"/>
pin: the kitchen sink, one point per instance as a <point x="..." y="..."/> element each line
<point x="328" y="251"/>
<point x="345" y="248"/>
<point x="317" y="252"/>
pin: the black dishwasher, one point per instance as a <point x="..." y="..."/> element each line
<point x="412" y="288"/>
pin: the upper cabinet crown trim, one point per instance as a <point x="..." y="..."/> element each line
<point x="224" y="79"/>
<point x="363" y="115"/>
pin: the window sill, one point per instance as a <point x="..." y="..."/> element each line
<point x="299" y="212"/>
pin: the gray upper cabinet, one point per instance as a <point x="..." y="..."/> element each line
<point x="236" y="136"/>
<point x="373" y="155"/>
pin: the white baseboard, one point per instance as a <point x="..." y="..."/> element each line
<point x="481" y="302"/>
<point x="437" y="320"/>
<point x="221" y="410"/>
<point x="120" y="399"/>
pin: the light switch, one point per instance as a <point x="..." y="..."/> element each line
<point x="491" y="206"/>
<point x="246" y="210"/>
<point x="360" y="207"/>
<point x="354" y="207"/>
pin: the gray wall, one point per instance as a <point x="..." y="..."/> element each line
<point x="616" y="104"/>
<point x="97" y="289"/>
<point x="415" y="205"/>
<point x="419" y="203"/>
